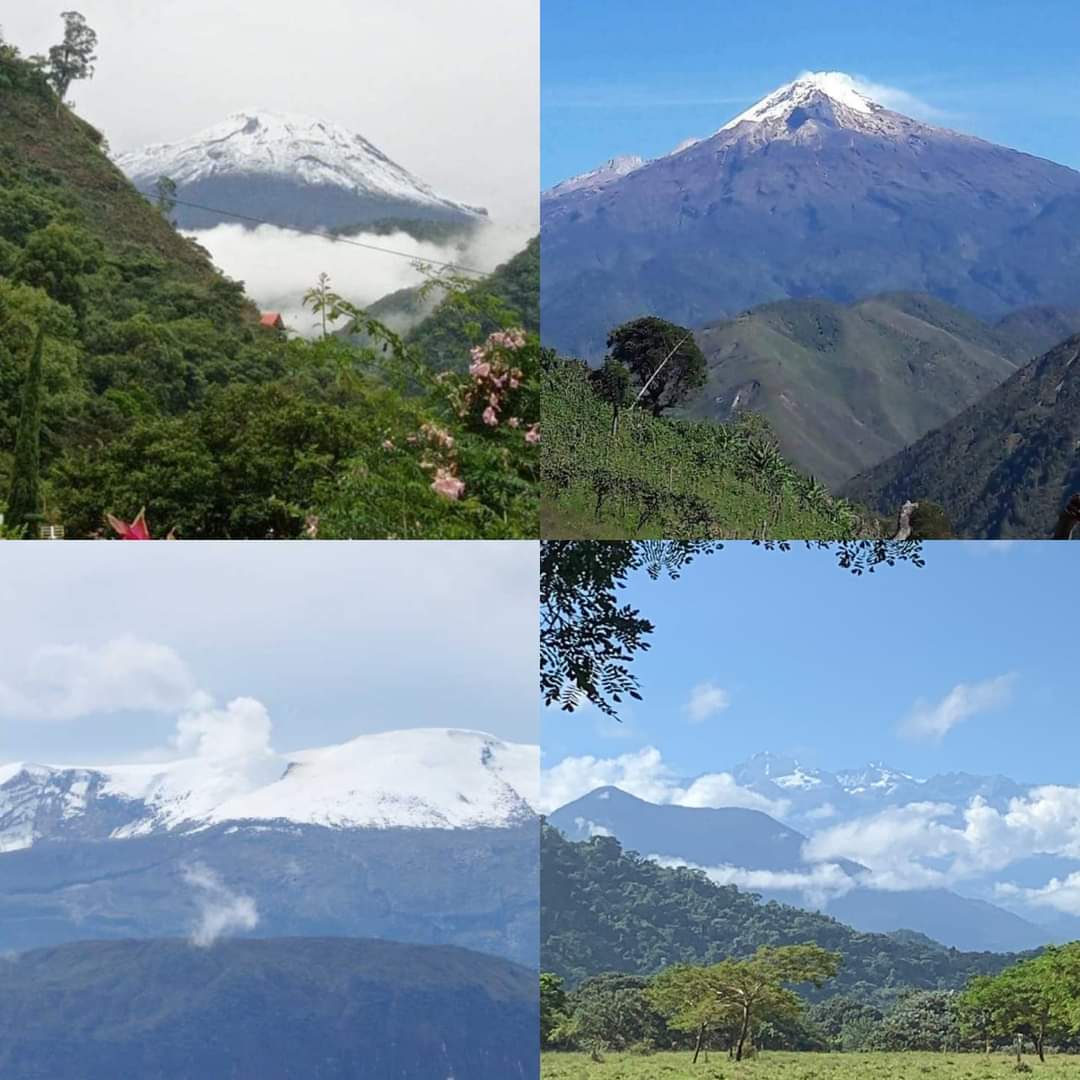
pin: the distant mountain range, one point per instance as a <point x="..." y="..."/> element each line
<point x="1005" y="466"/>
<point x="425" y="835"/>
<point x="284" y="1009"/>
<point x="760" y="853"/>
<point x="846" y="386"/>
<point x="815" y="192"/>
<point x="292" y="170"/>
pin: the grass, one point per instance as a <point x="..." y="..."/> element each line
<point x="803" y="1066"/>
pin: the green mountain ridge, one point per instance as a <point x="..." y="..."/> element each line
<point x="845" y="386"/>
<point x="605" y="909"/>
<point x="1006" y="465"/>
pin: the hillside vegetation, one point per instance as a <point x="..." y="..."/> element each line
<point x="159" y="389"/>
<point x="278" y="1009"/>
<point x="659" y="477"/>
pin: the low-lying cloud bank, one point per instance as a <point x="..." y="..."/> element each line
<point x="277" y="266"/>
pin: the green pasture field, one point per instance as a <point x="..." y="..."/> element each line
<point x="779" y="1065"/>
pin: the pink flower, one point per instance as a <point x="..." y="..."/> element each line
<point x="490" y="418"/>
<point x="479" y="370"/>
<point x="513" y="422"/>
<point x="387" y="444"/>
<point x="532" y="436"/>
<point x="446" y="483"/>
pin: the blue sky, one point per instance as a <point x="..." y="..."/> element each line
<point x="637" y="76"/>
<point x="837" y="670"/>
<point x="103" y="646"/>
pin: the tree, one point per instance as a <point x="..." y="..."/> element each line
<point x="73" y="58"/>
<point x="57" y="259"/>
<point x="324" y="301"/>
<point x="553" y="1006"/>
<point x="742" y="994"/>
<point x="166" y="195"/>
<point x="664" y="358"/>
<point x="24" y="499"/>
<point x="588" y="639"/>
<point x="612" y="384"/>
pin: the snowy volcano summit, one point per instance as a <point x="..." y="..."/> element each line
<point x="815" y="191"/>
<point x="424" y="778"/>
<point x="289" y="169"/>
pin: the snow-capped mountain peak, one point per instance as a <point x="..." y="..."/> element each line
<point x="804" y="91"/>
<point x="419" y="778"/>
<point x="276" y="146"/>
<point x="612" y="169"/>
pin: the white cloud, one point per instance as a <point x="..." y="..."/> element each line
<point x="898" y="99"/>
<point x="125" y="674"/>
<point x="1062" y="894"/>
<point x="277" y="266"/>
<point x="934" y="720"/>
<point x="644" y="774"/>
<point x="591" y="828"/>
<point x="818" y="884"/>
<point x="221" y="910"/>
<point x="706" y="699"/>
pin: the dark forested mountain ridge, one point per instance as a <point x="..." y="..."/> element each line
<point x="281" y="1009"/>
<point x="1006" y="465"/>
<point x="816" y="191"/>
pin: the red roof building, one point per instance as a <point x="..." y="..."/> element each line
<point x="273" y="320"/>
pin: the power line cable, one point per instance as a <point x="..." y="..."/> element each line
<point x="325" y="236"/>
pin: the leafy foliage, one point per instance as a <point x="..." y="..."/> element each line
<point x="663" y="358"/>
<point x="159" y="388"/>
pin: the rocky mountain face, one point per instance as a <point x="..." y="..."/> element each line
<point x="291" y="170"/>
<point x="1006" y="465"/>
<point x="817" y="191"/>
<point x="425" y="835"/>
<point x="282" y="1009"/>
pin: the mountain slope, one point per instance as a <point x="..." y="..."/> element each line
<point x="292" y="170"/>
<point x="846" y="386"/>
<point x="603" y="909"/>
<point x="816" y="192"/>
<point x="1006" y="465"/>
<point x="291" y="1009"/>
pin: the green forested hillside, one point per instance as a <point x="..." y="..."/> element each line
<point x="159" y="389"/>
<point x="272" y="1009"/>
<point x="603" y="909"/>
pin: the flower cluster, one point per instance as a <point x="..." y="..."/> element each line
<point x="439" y="444"/>
<point x="494" y="380"/>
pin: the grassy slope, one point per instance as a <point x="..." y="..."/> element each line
<point x="846" y="386"/>
<point x="770" y="1065"/>
<point x="1005" y="466"/>
<point x="669" y="478"/>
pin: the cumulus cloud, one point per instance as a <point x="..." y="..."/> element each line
<point x="1062" y="894"/>
<point x="706" y="699"/>
<point x="933" y="721"/>
<point x="67" y="682"/>
<point x="278" y="266"/>
<point x="643" y="773"/>
<point x="590" y="828"/>
<point x="818" y="884"/>
<point x="928" y="844"/>
<point x="221" y="910"/>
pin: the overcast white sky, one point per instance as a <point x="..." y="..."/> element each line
<point x="103" y="644"/>
<point x="448" y="90"/>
